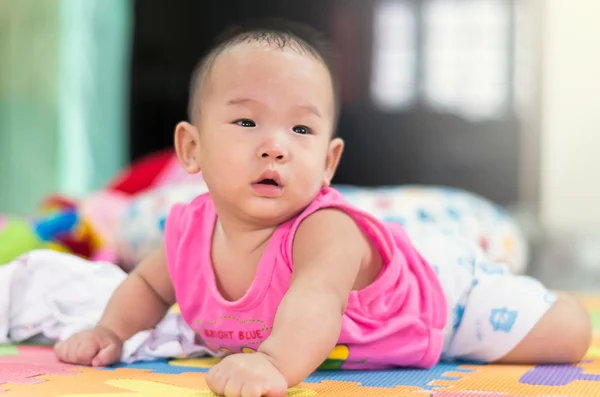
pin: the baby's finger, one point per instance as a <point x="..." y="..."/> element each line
<point x="232" y="387"/>
<point x="108" y="355"/>
<point x="60" y="351"/>
<point x="215" y="380"/>
<point x="279" y="391"/>
<point x="252" y="389"/>
<point x="86" y="351"/>
<point x="72" y="347"/>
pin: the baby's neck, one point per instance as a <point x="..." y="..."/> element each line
<point x="242" y="238"/>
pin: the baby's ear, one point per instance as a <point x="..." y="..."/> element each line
<point x="187" y="146"/>
<point x="334" y="154"/>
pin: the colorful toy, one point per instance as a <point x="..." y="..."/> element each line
<point x="89" y="227"/>
<point x="19" y="235"/>
<point x="74" y="232"/>
<point x="59" y="226"/>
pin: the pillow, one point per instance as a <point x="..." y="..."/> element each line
<point x="417" y="208"/>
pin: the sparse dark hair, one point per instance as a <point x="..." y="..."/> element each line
<point x="277" y="33"/>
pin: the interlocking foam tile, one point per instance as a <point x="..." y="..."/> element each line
<point x="595" y="316"/>
<point x="163" y="367"/>
<point x="384" y="378"/>
<point x="8" y="350"/>
<point x="551" y="380"/>
<point x="391" y="378"/>
<point x="31" y="362"/>
<point x="132" y="383"/>
<point x="469" y="394"/>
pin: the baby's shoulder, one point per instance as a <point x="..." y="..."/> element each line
<point x="329" y="217"/>
<point x="333" y="245"/>
<point x="331" y="227"/>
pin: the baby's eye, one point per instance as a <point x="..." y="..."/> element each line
<point x="245" y="123"/>
<point x="301" y="129"/>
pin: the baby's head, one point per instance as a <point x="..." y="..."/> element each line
<point x="263" y="109"/>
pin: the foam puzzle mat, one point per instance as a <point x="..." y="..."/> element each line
<point x="33" y="371"/>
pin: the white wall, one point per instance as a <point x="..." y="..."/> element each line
<point x="570" y="115"/>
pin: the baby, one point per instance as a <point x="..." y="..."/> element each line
<point x="274" y="270"/>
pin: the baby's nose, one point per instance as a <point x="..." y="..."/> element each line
<point x="273" y="152"/>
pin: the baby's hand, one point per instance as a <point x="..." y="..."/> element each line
<point x="246" y="375"/>
<point x="98" y="347"/>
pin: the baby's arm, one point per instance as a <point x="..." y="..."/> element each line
<point x="329" y="248"/>
<point x="328" y="251"/>
<point x="142" y="300"/>
<point x="139" y="303"/>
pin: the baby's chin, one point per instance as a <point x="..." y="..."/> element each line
<point x="272" y="212"/>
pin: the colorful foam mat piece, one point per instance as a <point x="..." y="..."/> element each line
<point x="33" y="371"/>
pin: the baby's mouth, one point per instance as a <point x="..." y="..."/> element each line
<point x="268" y="181"/>
<point x="268" y="184"/>
<point x="269" y="178"/>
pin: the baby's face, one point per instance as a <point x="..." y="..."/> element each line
<point x="265" y="129"/>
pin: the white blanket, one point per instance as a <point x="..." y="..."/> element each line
<point x="49" y="296"/>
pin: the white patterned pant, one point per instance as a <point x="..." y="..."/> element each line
<point x="490" y="309"/>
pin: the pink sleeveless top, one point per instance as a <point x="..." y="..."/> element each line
<point x="397" y="320"/>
